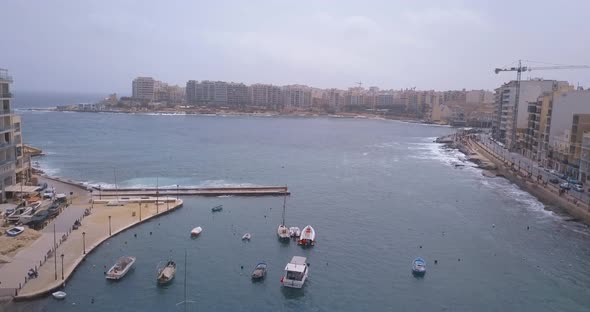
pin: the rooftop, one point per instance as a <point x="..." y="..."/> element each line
<point x="4" y="75"/>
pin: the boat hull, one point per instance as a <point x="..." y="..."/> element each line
<point x="114" y="274"/>
<point x="307" y="237"/>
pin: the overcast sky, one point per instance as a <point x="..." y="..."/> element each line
<point x="100" y="46"/>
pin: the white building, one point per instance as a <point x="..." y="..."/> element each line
<point x="8" y="151"/>
<point x="565" y="106"/>
<point x="143" y="88"/>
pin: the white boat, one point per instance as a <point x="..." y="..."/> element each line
<point x="283" y="232"/>
<point x="120" y="268"/>
<point x="166" y="274"/>
<point x="307" y="237"/>
<point x="296" y="272"/>
<point x="196" y="231"/>
<point x="15" y="216"/>
<point x="294" y="231"/>
<point x="246" y="236"/>
<point x="59" y="295"/>
<point x="15" y="231"/>
<point x="26" y="216"/>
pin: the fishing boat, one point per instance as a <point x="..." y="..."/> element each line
<point x="296" y="273"/>
<point x="307" y="237"/>
<point x="15" y="231"/>
<point x="246" y="236"/>
<point x="166" y="274"/>
<point x="294" y="231"/>
<point x="259" y="271"/>
<point x="419" y="266"/>
<point x="121" y="267"/>
<point x="15" y="216"/>
<point x="59" y="295"/>
<point x="27" y="216"/>
<point x="283" y="231"/>
<point x="196" y="231"/>
<point x="217" y="208"/>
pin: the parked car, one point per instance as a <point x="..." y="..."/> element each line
<point x="578" y="187"/>
<point x="41" y="187"/>
<point x="554" y="180"/>
<point x="565" y="186"/>
<point x="48" y="194"/>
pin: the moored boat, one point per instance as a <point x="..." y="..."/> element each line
<point x="307" y="237"/>
<point x="15" y="216"/>
<point x="217" y="208"/>
<point x="121" y="267"/>
<point x="246" y="236"/>
<point x="283" y="232"/>
<point x="296" y="273"/>
<point x="59" y="295"/>
<point x="166" y="274"/>
<point x="419" y="266"/>
<point x="294" y="231"/>
<point x="196" y="231"/>
<point x="15" y="231"/>
<point x="259" y="271"/>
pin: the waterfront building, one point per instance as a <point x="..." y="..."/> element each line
<point x="297" y="97"/>
<point x="507" y="109"/>
<point x="585" y="158"/>
<point x="208" y="93"/>
<point x="8" y="150"/>
<point x="238" y="95"/>
<point x="266" y="95"/>
<point x="143" y="88"/>
<point x="479" y="96"/>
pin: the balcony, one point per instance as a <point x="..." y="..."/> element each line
<point x="6" y="112"/>
<point x="6" y="95"/>
<point x="4" y="75"/>
<point x="6" y="145"/>
<point x="6" y="129"/>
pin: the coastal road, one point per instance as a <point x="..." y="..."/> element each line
<point x="526" y="164"/>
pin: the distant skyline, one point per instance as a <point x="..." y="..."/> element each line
<point x="77" y="46"/>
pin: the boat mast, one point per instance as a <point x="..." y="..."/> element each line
<point x="284" y="204"/>
<point x="185" y="279"/>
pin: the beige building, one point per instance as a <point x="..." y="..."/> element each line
<point x="8" y="135"/>
<point x="143" y="88"/>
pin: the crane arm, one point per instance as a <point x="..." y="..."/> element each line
<point x="527" y="68"/>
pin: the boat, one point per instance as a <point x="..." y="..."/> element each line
<point x="121" y="267"/>
<point x="419" y="266"/>
<point x="283" y="231"/>
<point x="15" y="216"/>
<point x="294" y="231"/>
<point x="59" y="295"/>
<point x="259" y="271"/>
<point x="296" y="272"/>
<point x="307" y="237"/>
<point x="27" y="216"/>
<point x="246" y="236"/>
<point x="196" y="231"/>
<point x="166" y="274"/>
<point x="217" y="208"/>
<point x="15" y="231"/>
<point x="38" y="218"/>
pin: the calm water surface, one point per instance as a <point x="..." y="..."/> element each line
<point x="379" y="194"/>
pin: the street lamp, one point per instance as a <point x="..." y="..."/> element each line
<point x="84" y="243"/>
<point x="62" y="267"/>
<point x="140" y="211"/>
<point x="109" y="225"/>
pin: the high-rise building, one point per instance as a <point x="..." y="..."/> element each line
<point x="143" y="88"/>
<point x="266" y="95"/>
<point x="8" y="151"/>
<point x="297" y="97"/>
<point x="238" y="95"/>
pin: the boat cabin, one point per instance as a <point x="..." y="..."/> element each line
<point x="295" y="272"/>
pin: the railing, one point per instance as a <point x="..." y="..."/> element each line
<point x="4" y="75"/>
<point x="9" y="128"/>
<point x="6" y="95"/>
<point x="6" y="144"/>
<point x="6" y="111"/>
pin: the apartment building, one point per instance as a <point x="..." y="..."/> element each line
<point x="143" y="88"/>
<point x="297" y="97"/>
<point x="238" y="95"/>
<point x="266" y="95"/>
<point x="8" y="150"/>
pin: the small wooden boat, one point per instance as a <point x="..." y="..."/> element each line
<point x="246" y="236"/>
<point x="296" y="273"/>
<point x="259" y="271"/>
<point x="307" y="237"/>
<point x="15" y="231"/>
<point x="196" y="231"/>
<point x="283" y="232"/>
<point x="217" y="208"/>
<point x="166" y="274"/>
<point x="59" y="295"/>
<point x="120" y="268"/>
<point x="294" y="231"/>
<point x="419" y="266"/>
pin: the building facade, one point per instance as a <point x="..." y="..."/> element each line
<point x="143" y="88"/>
<point x="8" y="146"/>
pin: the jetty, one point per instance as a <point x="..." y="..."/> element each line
<point x="198" y="191"/>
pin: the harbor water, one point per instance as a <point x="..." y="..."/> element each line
<point x="378" y="193"/>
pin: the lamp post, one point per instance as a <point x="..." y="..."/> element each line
<point x="140" y="211"/>
<point x="99" y="192"/>
<point x="62" y="267"/>
<point x="54" y="252"/>
<point x="83" y="243"/>
<point x="177" y="191"/>
<point x="109" y="225"/>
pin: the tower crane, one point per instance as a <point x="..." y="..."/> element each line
<point x="519" y="69"/>
<point x="360" y="83"/>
